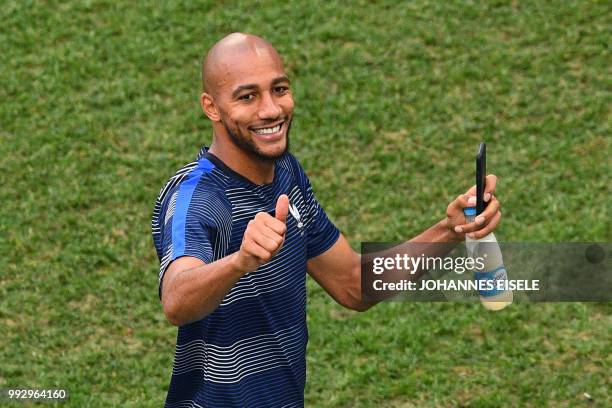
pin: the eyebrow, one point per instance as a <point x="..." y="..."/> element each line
<point x="277" y="80"/>
<point x="282" y="78"/>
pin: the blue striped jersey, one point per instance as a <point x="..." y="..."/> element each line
<point x="249" y="352"/>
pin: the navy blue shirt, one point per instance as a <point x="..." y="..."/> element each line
<point x="249" y="352"/>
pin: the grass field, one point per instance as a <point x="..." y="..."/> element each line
<point x="100" y="106"/>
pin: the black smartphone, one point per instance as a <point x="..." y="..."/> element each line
<point x="481" y="177"/>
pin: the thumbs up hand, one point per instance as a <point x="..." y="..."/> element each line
<point x="263" y="238"/>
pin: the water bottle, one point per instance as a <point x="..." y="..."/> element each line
<point x="492" y="269"/>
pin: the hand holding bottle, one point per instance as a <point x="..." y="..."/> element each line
<point x="484" y="223"/>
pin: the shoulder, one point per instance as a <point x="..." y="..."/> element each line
<point x="195" y="185"/>
<point x="291" y="164"/>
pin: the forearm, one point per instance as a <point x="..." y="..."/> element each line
<point x="436" y="241"/>
<point x="439" y="233"/>
<point x="338" y="270"/>
<point x="194" y="293"/>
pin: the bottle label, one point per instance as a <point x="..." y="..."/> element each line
<point x="489" y="281"/>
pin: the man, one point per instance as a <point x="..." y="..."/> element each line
<point x="237" y="230"/>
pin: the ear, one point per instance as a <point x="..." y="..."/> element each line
<point x="209" y="107"/>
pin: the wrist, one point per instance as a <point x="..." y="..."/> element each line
<point x="449" y="231"/>
<point x="237" y="264"/>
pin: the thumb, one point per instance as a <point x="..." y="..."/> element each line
<point x="282" y="208"/>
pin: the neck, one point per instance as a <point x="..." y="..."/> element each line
<point x="252" y="168"/>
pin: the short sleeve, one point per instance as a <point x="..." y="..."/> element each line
<point x="321" y="233"/>
<point x="181" y="224"/>
<point x="184" y="232"/>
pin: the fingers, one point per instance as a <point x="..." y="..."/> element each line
<point x="488" y="228"/>
<point x="458" y="204"/>
<point x="279" y="227"/>
<point x="282" y="208"/>
<point x="483" y="219"/>
<point x="484" y="222"/>
<point x="264" y="236"/>
<point x="268" y="240"/>
<point x="491" y="184"/>
<point x="265" y="230"/>
<point x="250" y="248"/>
<point x="491" y="208"/>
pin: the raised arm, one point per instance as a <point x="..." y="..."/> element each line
<point x="338" y="270"/>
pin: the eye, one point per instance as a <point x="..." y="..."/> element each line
<point x="246" y="97"/>
<point x="281" y="89"/>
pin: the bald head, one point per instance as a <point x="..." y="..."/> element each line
<point x="247" y="96"/>
<point x="229" y="51"/>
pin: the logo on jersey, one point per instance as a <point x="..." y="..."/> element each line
<point x="296" y="214"/>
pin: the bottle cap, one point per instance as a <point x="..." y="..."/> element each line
<point x="469" y="211"/>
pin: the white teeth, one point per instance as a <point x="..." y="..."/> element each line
<point x="268" y="131"/>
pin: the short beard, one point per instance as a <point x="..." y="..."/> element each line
<point x="249" y="147"/>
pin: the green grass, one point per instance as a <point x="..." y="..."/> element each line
<point x="99" y="107"/>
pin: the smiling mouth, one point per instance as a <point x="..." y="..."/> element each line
<point x="269" y="131"/>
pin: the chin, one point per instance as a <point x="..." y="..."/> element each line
<point x="268" y="147"/>
<point x="273" y="152"/>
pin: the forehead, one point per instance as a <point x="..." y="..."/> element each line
<point x="259" y="67"/>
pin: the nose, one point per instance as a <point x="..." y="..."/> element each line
<point x="268" y="108"/>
